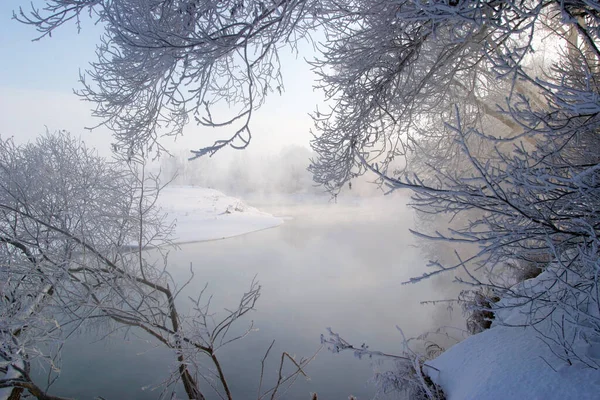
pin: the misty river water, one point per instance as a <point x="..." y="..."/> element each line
<point x="329" y="265"/>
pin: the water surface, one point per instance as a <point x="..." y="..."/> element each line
<point x="329" y="265"/>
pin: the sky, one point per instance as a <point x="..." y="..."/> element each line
<point x="37" y="79"/>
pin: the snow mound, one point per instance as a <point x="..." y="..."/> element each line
<point x="506" y="363"/>
<point x="202" y="214"/>
<point x="521" y="361"/>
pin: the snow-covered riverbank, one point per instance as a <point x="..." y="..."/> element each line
<point x="202" y="214"/>
<point x="554" y="358"/>
<point x="505" y="363"/>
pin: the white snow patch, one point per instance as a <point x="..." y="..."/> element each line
<point x="514" y="362"/>
<point x="508" y="363"/>
<point x="202" y="214"/>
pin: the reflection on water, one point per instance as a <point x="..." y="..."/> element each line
<point x="331" y="265"/>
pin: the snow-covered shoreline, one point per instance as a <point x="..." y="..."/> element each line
<point x="505" y="363"/>
<point x="202" y="214"/>
<point x="517" y="359"/>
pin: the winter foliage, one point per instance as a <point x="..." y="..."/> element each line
<point x="447" y="98"/>
<point x="76" y="232"/>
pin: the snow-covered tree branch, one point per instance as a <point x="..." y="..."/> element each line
<point x="161" y="63"/>
<point x="75" y="231"/>
<point x="447" y="98"/>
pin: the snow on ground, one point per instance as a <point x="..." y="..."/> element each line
<point x="507" y="363"/>
<point x="206" y="214"/>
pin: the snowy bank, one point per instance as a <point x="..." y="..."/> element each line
<point x="508" y="363"/>
<point x="521" y="361"/>
<point x="206" y="214"/>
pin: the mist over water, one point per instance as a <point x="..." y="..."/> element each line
<point x="270" y="177"/>
<point x="329" y="265"/>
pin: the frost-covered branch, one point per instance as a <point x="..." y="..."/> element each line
<point x="75" y="233"/>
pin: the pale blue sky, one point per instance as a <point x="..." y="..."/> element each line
<point x="50" y="64"/>
<point x="37" y="80"/>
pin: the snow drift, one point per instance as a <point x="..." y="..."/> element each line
<point x="534" y="350"/>
<point x="201" y="214"/>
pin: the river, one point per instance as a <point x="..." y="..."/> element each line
<point x="329" y="265"/>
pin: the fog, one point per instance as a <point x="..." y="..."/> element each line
<point x="252" y="173"/>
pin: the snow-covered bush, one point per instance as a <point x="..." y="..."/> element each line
<point x="237" y="207"/>
<point x="477" y="305"/>
<point x="405" y="377"/>
<point x="75" y="230"/>
<point x="522" y="270"/>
